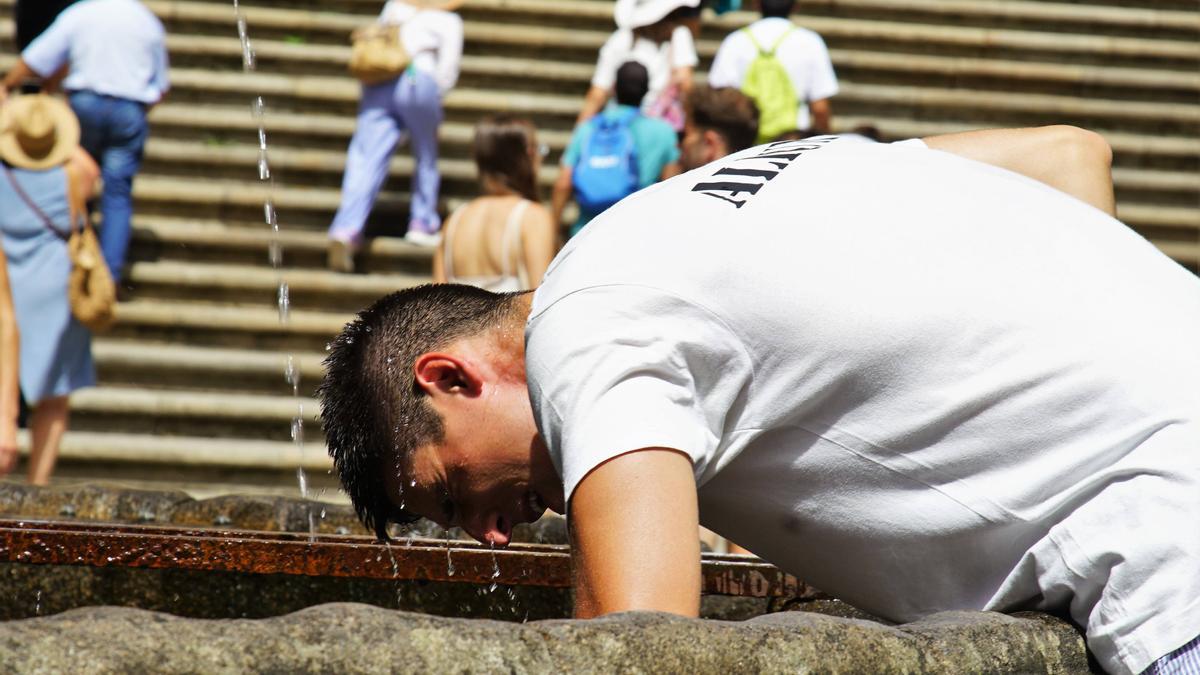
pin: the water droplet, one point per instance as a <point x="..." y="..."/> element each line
<point x="285" y="303"/>
<point x="275" y="254"/>
<point x="37" y="606"/>
<point x="264" y="167"/>
<point x="302" y="479"/>
<point x="342" y="529"/>
<point x="269" y="214"/>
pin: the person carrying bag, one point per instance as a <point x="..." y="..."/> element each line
<point x="61" y="287"/>
<point x="90" y="287"/>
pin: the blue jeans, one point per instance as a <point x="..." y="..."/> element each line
<point x="114" y="133"/>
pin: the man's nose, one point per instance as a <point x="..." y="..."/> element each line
<point x="494" y="529"/>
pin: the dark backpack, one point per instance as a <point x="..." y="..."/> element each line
<point x="607" y="170"/>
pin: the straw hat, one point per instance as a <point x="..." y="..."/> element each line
<point x="639" y="13"/>
<point x="37" y="132"/>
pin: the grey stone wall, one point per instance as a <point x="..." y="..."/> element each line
<point x="350" y="638"/>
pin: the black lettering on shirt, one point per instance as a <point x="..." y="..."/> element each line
<point x="780" y="154"/>
<point x="734" y="189"/>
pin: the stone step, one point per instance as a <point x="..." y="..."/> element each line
<point x="515" y="73"/>
<point x="130" y="363"/>
<point x="1070" y="30"/>
<point x="323" y="168"/>
<point x="229" y="125"/>
<point x="214" y="325"/>
<point x="249" y="243"/>
<point x="245" y="285"/>
<point x="195" y="414"/>
<point x="184" y="453"/>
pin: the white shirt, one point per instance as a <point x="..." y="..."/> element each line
<point x="660" y="60"/>
<point x="919" y="382"/>
<point x="432" y="37"/>
<point x="802" y="53"/>
<point x="114" y="47"/>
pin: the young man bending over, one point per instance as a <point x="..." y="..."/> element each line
<point x="918" y="381"/>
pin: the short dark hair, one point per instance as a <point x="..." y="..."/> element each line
<point x="776" y="8"/>
<point x="504" y="150"/>
<point x="726" y="111"/>
<point x="372" y="409"/>
<point x="633" y="81"/>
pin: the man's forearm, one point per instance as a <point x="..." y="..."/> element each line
<point x="822" y="115"/>
<point x="633" y="536"/>
<point x="1072" y="160"/>
<point x="19" y="73"/>
<point x="560" y="195"/>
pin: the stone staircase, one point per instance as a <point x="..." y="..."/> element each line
<point x="192" y="378"/>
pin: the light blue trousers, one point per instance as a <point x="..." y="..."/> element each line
<point x="409" y="103"/>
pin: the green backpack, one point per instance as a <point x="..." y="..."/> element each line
<point x="768" y="83"/>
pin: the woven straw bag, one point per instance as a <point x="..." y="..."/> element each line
<point x="90" y="288"/>
<point x="377" y="53"/>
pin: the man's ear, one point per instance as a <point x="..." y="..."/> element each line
<point x="714" y="146"/>
<point x="438" y="373"/>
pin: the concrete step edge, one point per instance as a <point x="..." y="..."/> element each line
<point x="221" y="234"/>
<point x="113" y="400"/>
<point x="138" y="355"/>
<point x="246" y="155"/>
<point x="196" y="315"/>
<point x="580" y="73"/>
<point x="184" y="451"/>
<point x="250" y="278"/>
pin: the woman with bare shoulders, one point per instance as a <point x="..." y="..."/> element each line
<point x="503" y="240"/>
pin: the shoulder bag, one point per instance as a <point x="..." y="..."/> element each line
<point x="377" y="53"/>
<point x="90" y="287"/>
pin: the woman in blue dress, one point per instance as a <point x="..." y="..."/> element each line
<point x="42" y="166"/>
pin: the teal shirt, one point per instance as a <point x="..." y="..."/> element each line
<point x="656" y="146"/>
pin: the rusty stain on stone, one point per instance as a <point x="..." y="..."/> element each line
<point x="102" y="545"/>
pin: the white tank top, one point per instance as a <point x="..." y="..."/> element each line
<point x="507" y="281"/>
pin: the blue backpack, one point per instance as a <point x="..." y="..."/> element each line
<point x="607" y="170"/>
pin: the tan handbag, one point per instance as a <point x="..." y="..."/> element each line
<point x="377" y="53"/>
<point x="90" y="287"/>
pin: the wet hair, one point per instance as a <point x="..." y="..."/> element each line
<point x="374" y="412"/>
<point x="504" y="149"/>
<point x="633" y="81"/>
<point x="726" y="111"/>
<point x="776" y="8"/>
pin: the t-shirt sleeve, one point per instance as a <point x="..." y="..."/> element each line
<point x="162" y="69"/>
<point x="822" y="80"/>
<point x="51" y="50"/>
<point x="683" y="48"/>
<point x="616" y="369"/>
<point x="724" y="66"/>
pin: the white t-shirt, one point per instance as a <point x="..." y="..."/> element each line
<point x="919" y="382"/>
<point x="659" y="59"/>
<point x="114" y="47"/>
<point x="433" y="39"/>
<point x="802" y="53"/>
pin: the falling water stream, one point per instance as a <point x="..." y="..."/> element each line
<point x="275" y="256"/>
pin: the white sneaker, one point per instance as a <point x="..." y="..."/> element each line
<point x="423" y="239"/>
